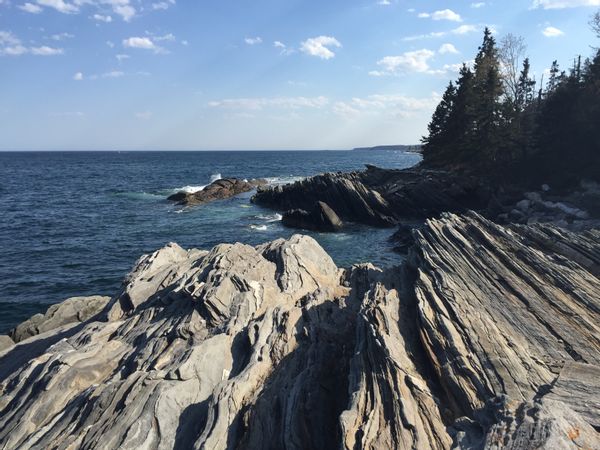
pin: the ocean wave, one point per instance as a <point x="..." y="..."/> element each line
<point x="190" y="189"/>
<point x="138" y="195"/>
<point x="259" y="227"/>
<point x="270" y="217"/>
<point x="214" y="177"/>
<point x="283" y="180"/>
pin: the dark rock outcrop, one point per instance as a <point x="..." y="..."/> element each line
<point x="217" y="190"/>
<point x="488" y="338"/>
<point x="320" y="218"/>
<point x="381" y="197"/>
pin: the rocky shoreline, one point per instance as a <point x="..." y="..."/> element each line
<point x="487" y="337"/>
<point x="387" y="198"/>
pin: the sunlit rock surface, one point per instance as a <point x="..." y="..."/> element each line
<point x="489" y="337"/>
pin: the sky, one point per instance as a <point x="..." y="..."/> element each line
<point x="260" y="74"/>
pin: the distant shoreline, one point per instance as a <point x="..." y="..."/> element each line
<point x="403" y="148"/>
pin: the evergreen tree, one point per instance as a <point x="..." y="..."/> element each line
<point x="438" y="138"/>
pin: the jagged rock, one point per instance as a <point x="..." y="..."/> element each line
<point x="320" y="218"/>
<point x="70" y="312"/>
<point x="487" y="338"/>
<point x="381" y="197"/>
<point x="217" y="190"/>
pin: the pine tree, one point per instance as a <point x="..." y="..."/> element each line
<point x="438" y="138"/>
<point x="487" y="90"/>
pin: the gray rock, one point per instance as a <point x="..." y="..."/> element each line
<point x="5" y="342"/>
<point x="71" y="311"/>
<point x="486" y="338"/>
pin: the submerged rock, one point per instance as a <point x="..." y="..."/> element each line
<point x="488" y="338"/>
<point x="217" y="190"/>
<point x="320" y="218"/>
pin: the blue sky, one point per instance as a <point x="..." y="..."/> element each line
<point x="260" y="74"/>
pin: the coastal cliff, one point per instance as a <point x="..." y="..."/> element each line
<point x="487" y="337"/>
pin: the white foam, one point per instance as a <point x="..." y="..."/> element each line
<point x="270" y="217"/>
<point x="214" y="177"/>
<point x="190" y="189"/>
<point x="283" y="180"/>
<point x="259" y="227"/>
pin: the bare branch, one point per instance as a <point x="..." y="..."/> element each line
<point x="512" y="51"/>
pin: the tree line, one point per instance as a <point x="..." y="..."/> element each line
<point x="497" y="119"/>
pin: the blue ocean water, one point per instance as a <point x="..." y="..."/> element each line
<point x="74" y="223"/>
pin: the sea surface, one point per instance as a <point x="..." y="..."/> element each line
<point x="74" y="223"/>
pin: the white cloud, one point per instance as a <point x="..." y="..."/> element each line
<point x="121" y="57"/>
<point x="60" y="6"/>
<point x="102" y="18"/>
<point x="44" y="50"/>
<point x="415" y="61"/>
<point x="279" y="44"/>
<point x="561" y="4"/>
<point x="258" y="104"/>
<point x="31" y="8"/>
<point x="447" y="48"/>
<point x="445" y="14"/>
<point x="478" y="5"/>
<point x="140" y="42"/>
<point x="127" y="12"/>
<point x="552" y="32"/>
<point x="113" y="74"/>
<point x="11" y="45"/>
<point x="78" y="76"/>
<point x="384" y="2"/>
<point x="61" y="36"/>
<point x="319" y="46"/>
<point x="253" y="40"/>
<point x="110" y="44"/>
<point x="464" y="29"/>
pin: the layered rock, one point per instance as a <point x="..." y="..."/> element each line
<point x="320" y="218"/>
<point x="381" y="197"/>
<point x="70" y="312"/>
<point x="488" y="338"/>
<point x="218" y="190"/>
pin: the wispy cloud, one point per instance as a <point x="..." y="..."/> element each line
<point x="478" y="5"/>
<point x="561" y="4"/>
<point x="385" y="105"/>
<point x="30" y="8"/>
<point x="320" y="46"/>
<point x="461" y="30"/>
<point x="260" y="103"/>
<point x="11" y="45"/>
<point x="415" y="61"/>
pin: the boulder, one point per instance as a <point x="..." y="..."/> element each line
<point x="71" y="311"/>
<point x="217" y="190"/>
<point x="320" y="218"/>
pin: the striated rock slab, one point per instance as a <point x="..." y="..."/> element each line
<point x="70" y="312"/>
<point x="218" y="190"/>
<point x="488" y="338"/>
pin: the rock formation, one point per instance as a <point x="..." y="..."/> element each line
<point x="320" y="218"/>
<point x="488" y="337"/>
<point x="72" y="311"/>
<point x="380" y="197"/>
<point x="217" y="190"/>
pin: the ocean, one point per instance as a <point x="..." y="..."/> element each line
<point x="74" y="223"/>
